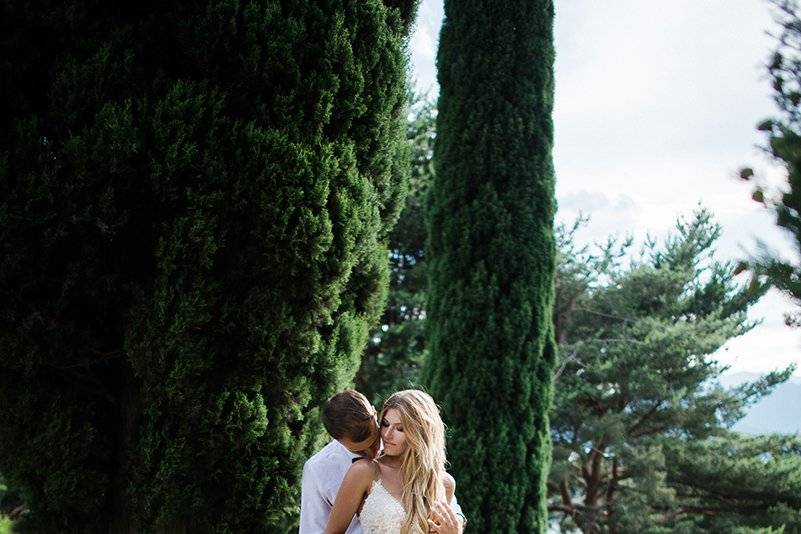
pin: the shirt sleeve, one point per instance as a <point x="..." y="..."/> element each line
<point x="456" y="508"/>
<point x="313" y="514"/>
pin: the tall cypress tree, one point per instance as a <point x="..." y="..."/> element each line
<point x="194" y="201"/>
<point x="491" y="257"/>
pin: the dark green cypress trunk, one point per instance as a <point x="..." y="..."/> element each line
<point x="194" y="202"/>
<point x="491" y="257"/>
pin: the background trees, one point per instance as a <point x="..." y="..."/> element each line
<point x="491" y="257"/>
<point x="396" y="347"/>
<point x="734" y="483"/>
<point x="194" y="200"/>
<point x="669" y="479"/>
<point x="636" y="392"/>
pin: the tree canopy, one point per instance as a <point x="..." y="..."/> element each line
<point x="194" y="204"/>
<point x="637" y="382"/>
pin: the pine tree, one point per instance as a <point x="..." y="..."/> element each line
<point x="491" y="257"/>
<point x="194" y="204"/>
<point x="733" y="483"/>
<point x="637" y="390"/>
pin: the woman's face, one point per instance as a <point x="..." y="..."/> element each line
<point x="392" y="433"/>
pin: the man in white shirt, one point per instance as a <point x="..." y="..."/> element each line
<point x="351" y="420"/>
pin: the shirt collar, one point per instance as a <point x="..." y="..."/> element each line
<point x="351" y="456"/>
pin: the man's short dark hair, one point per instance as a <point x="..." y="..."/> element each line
<point x="349" y="415"/>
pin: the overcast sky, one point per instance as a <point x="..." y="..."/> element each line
<point x="656" y="107"/>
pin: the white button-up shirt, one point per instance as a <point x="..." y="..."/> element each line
<point x="323" y="473"/>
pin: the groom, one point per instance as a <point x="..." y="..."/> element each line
<point x="351" y="420"/>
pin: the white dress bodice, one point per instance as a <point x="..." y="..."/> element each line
<point x="381" y="512"/>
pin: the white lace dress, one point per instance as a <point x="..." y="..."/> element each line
<point x="381" y="512"/>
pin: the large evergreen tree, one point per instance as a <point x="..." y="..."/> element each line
<point x="640" y="421"/>
<point x="194" y="200"/>
<point x="491" y="257"/>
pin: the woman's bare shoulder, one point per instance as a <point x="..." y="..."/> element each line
<point x="363" y="469"/>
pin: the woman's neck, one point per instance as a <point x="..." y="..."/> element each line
<point x="393" y="462"/>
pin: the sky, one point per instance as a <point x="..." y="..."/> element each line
<point x="655" y="111"/>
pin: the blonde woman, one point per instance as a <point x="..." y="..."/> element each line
<point x="406" y="489"/>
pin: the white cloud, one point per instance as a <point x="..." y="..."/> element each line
<point x="608" y="215"/>
<point x="772" y="345"/>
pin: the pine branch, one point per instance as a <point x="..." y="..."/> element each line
<point x="644" y="417"/>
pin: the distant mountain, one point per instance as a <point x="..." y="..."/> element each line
<point x="779" y="412"/>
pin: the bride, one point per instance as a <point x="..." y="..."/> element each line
<point x="406" y="489"/>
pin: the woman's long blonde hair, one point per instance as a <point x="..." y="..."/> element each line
<point x="423" y="462"/>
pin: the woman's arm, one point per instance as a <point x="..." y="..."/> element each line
<point x="350" y="496"/>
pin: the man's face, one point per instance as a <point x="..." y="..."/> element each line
<point x="368" y="447"/>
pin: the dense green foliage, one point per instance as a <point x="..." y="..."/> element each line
<point x="637" y="391"/>
<point x="667" y="481"/>
<point x="396" y="350"/>
<point x="491" y="257"/>
<point x="10" y="505"/>
<point x="734" y="483"/>
<point x="194" y="203"/>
